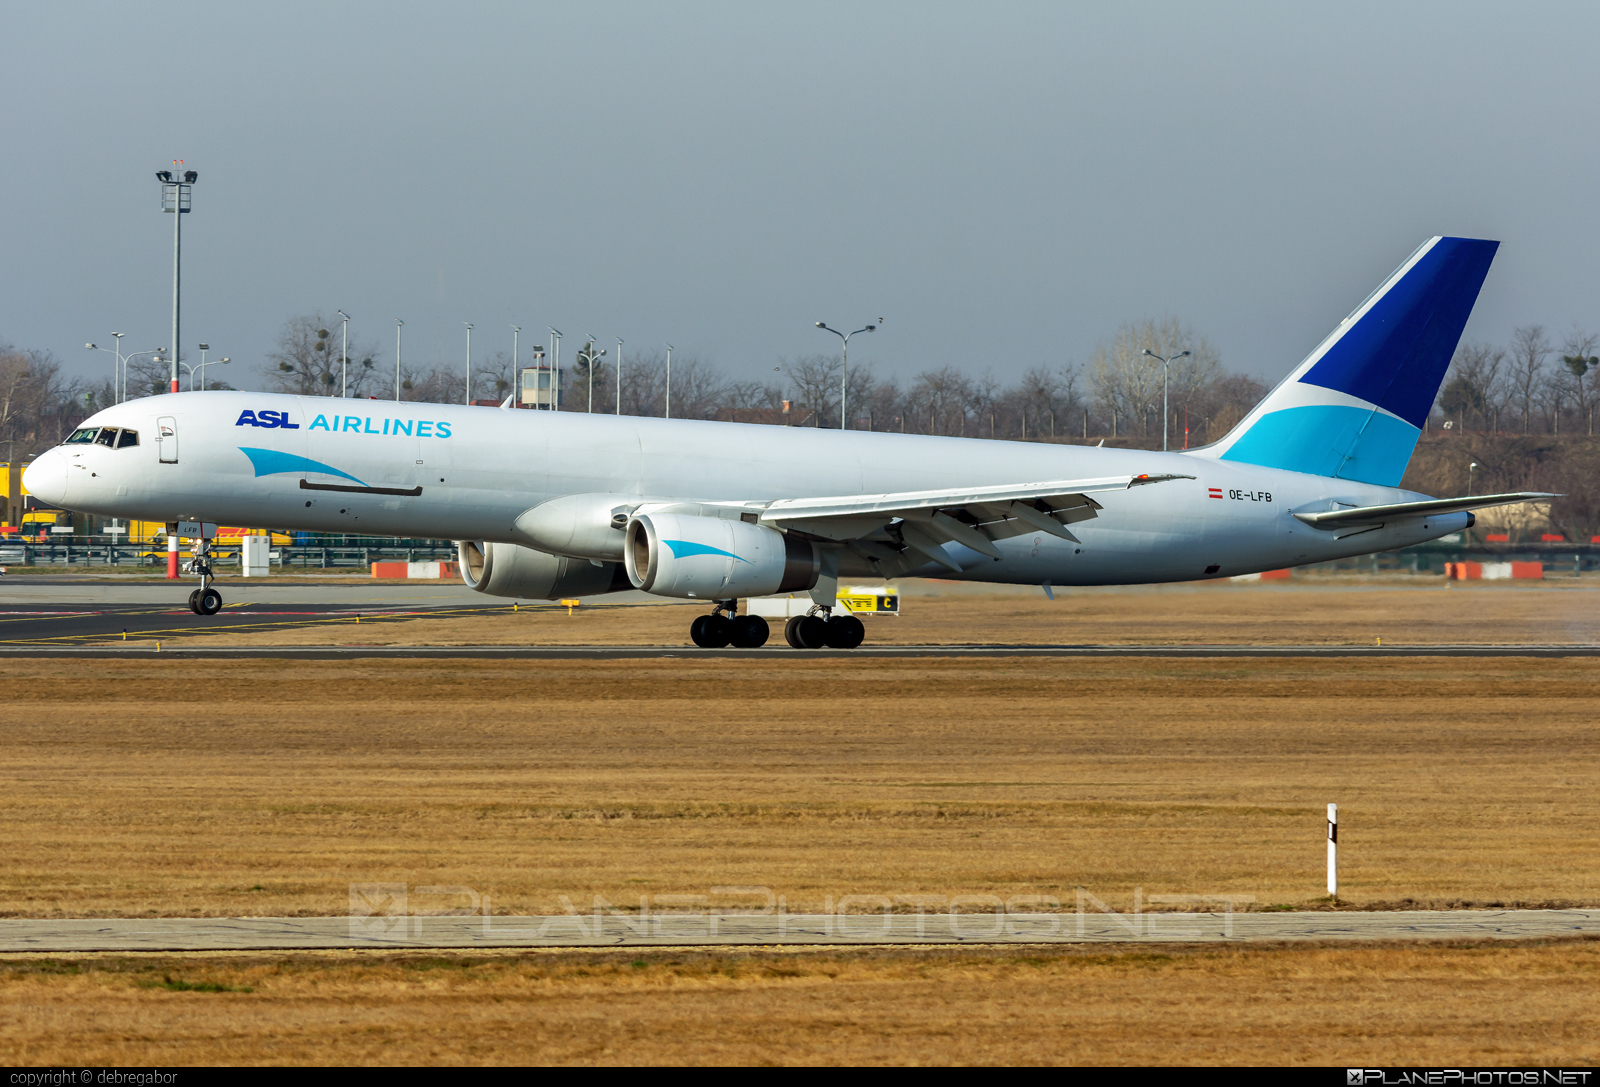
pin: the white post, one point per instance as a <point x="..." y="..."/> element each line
<point x="1333" y="850"/>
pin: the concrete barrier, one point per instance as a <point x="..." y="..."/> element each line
<point x="415" y="569"/>
<point x="1493" y="571"/>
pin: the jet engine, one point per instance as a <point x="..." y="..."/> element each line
<point x="502" y="569"/>
<point x="712" y="558"/>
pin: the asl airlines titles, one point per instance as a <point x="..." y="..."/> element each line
<point x="279" y="420"/>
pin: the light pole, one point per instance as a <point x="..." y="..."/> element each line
<point x="516" y="332"/>
<point x="1471" y="468"/>
<point x="1165" y="368"/>
<point x="344" y="355"/>
<point x="201" y="368"/>
<point x="116" y="367"/>
<point x="844" y="365"/>
<point x="590" y="355"/>
<point x="398" y="325"/>
<point x="669" y="381"/>
<point x="555" y="368"/>
<point x="619" y="375"/>
<point x="469" y="360"/>
<point x="177" y="198"/>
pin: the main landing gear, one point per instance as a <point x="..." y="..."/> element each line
<point x="824" y="631"/>
<point x="205" y="600"/>
<point x="716" y="630"/>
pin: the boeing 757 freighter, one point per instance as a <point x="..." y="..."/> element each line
<point x="547" y="505"/>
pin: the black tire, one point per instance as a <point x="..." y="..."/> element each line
<point x="717" y="632"/>
<point x="209" y="602"/>
<point x="194" y="601"/>
<point x="697" y="631"/>
<point x="812" y="632"/>
<point x="845" y="632"/>
<point x="750" y="632"/>
<point x="791" y="632"/>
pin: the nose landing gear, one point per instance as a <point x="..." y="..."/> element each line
<point x="716" y="630"/>
<point x="205" y="600"/>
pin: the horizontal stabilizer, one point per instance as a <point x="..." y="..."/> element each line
<point x="1377" y="515"/>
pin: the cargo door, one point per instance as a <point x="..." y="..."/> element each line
<point x="167" y="439"/>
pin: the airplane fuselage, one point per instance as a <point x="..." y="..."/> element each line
<point x="406" y="469"/>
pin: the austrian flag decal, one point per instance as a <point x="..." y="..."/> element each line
<point x="1216" y="492"/>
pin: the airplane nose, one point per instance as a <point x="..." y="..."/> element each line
<point x="46" y="478"/>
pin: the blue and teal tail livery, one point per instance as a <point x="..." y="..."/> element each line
<point x="1354" y="408"/>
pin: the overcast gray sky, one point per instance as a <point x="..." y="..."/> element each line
<point x="1004" y="183"/>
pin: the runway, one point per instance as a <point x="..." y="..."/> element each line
<point x="197" y="650"/>
<point x="578" y="930"/>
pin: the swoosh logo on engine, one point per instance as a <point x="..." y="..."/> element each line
<point x="684" y="549"/>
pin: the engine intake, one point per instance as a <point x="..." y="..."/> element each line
<point x="502" y="569"/>
<point x="711" y="558"/>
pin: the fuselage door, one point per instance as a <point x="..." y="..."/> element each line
<point x="167" y="439"/>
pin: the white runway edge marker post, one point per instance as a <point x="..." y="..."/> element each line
<point x="1333" y="851"/>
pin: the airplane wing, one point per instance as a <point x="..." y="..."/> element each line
<point x="879" y="526"/>
<point x="1377" y="515"/>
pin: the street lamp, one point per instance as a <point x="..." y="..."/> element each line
<point x="590" y="354"/>
<point x="1166" y="364"/>
<point x="516" y="332"/>
<point x="669" y="381"/>
<point x="844" y="365"/>
<point x="344" y="355"/>
<point x="177" y="198"/>
<point x="116" y="367"/>
<point x="1471" y="468"/>
<point x="619" y="375"/>
<point x="398" y="325"/>
<point x="201" y="368"/>
<point x="555" y="368"/>
<point x="469" y="360"/>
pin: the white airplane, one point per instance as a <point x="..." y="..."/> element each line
<point x="547" y="505"/>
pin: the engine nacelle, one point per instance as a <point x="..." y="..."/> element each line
<point x="502" y="569"/>
<point x="712" y="558"/>
<point x="585" y="526"/>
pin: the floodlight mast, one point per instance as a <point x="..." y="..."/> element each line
<point x="177" y="199"/>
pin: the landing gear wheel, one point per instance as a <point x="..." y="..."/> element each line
<point x="845" y="632"/>
<point x="194" y="601"/>
<point x="812" y="632"/>
<point x="791" y="632"/>
<point x="750" y="632"/>
<point x="208" y="602"/>
<point x="710" y="632"/>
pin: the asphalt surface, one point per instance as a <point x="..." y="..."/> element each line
<point x="733" y="929"/>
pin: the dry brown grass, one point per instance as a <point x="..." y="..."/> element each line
<point x="265" y="787"/>
<point x="1454" y="1005"/>
<point x="1336" y="613"/>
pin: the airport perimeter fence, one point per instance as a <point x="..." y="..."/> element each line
<point x="330" y="552"/>
<point x="334" y="553"/>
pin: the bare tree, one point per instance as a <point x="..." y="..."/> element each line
<point x="1577" y="360"/>
<point x="1528" y="351"/>
<point x="307" y="362"/>
<point x="1129" y="382"/>
<point x="1476" y="386"/>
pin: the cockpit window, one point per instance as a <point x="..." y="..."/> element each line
<point x="107" y="438"/>
<point x="85" y="435"/>
<point x="129" y="437"/>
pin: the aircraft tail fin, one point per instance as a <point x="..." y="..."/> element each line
<point x="1355" y="407"/>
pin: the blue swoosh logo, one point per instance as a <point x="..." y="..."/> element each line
<point x="684" y="549"/>
<point x="271" y="462"/>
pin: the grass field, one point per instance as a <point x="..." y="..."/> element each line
<point x="1341" y="611"/>
<point x="265" y="787"/>
<point x="1453" y="1005"/>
